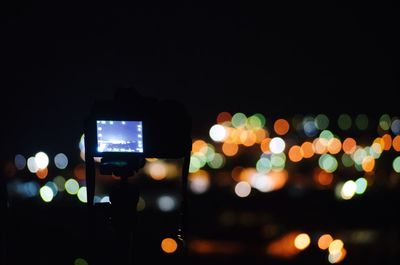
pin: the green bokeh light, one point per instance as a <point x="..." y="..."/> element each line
<point x="344" y="122"/>
<point x="263" y="165"/>
<point x="328" y="163"/>
<point x="239" y="120"/>
<point x="362" y="122"/>
<point x="396" y="164"/>
<point x="385" y="122"/>
<point x="321" y="121"/>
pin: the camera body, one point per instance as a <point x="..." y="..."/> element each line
<point x="133" y="127"/>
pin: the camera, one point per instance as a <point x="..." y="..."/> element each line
<point x="123" y="132"/>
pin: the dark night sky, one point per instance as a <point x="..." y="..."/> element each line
<point x="276" y="59"/>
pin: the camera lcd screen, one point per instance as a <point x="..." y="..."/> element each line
<point x="119" y="136"/>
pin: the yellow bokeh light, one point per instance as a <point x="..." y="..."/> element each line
<point x="324" y="241"/>
<point x="380" y="142"/>
<point x="337" y="257"/>
<point x="295" y="153"/>
<point x="335" y="246"/>
<point x="169" y="245"/>
<point x="230" y="149"/>
<point x="281" y="126"/>
<point x="302" y="241"/>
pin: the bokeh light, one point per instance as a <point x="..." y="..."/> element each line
<point x="19" y="162"/>
<point x="349" y="145"/>
<point x="395" y="127"/>
<point x="324" y="241"/>
<point x="46" y="193"/>
<point x="277" y="145"/>
<point x="230" y="149"/>
<point x="199" y="182"/>
<point x="42" y="160"/>
<point x="321" y="121"/>
<point x="385" y="122"/>
<point x="218" y="133"/>
<point x="224" y="117"/>
<point x="362" y="122"/>
<point x="281" y="126"/>
<point x="242" y="189"/>
<point x="239" y="120"/>
<point x="344" y="122"/>
<point x="396" y="143"/>
<point x="72" y="186"/>
<point x="166" y="203"/>
<point x="396" y="164"/>
<point x="348" y="190"/>
<point x="302" y="241"/>
<point x="82" y="194"/>
<point x="169" y="245"/>
<point x="80" y="261"/>
<point x="32" y="166"/>
<point x="61" y="161"/>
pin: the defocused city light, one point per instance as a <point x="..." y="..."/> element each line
<point x="324" y="241"/>
<point x="166" y="203"/>
<point x="218" y="133"/>
<point x="46" y="193"/>
<point x="19" y="162"/>
<point x="72" y="186"/>
<point x="61" y="161"/>
<point x="42" y="160"/>
<point x="302" y="241"/>
<point x="242" y="189"/>
<point x="169" y="245"/>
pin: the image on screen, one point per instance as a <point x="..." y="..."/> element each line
<point x="119" y="136"/>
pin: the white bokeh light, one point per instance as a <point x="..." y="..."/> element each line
<point x="277" y="145"/>
<point x="42" y="160"/>
<point x="218" y="133"/>
<point x="242" y="189"/>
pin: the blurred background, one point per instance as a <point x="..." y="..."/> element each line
<point x="295" y="156"/>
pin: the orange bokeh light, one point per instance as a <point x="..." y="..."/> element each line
<point x="349" y="145"/>
<point x="387" y="139"/>
<point x="368" y="164"/>
<point x="307" y="149"/>
<point x="198" y="145"/>
<point x="42" y="173"/>
<point x="230" y="149"/>
<point x="281" y="126"/>
<point x="324" y="241"/>
<point x="295" y="153"/>
<point x="396" y="143"/>
<point x="265" y="145"/>
<point x="169" y="245"/>
<point x="334" y="146"/>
